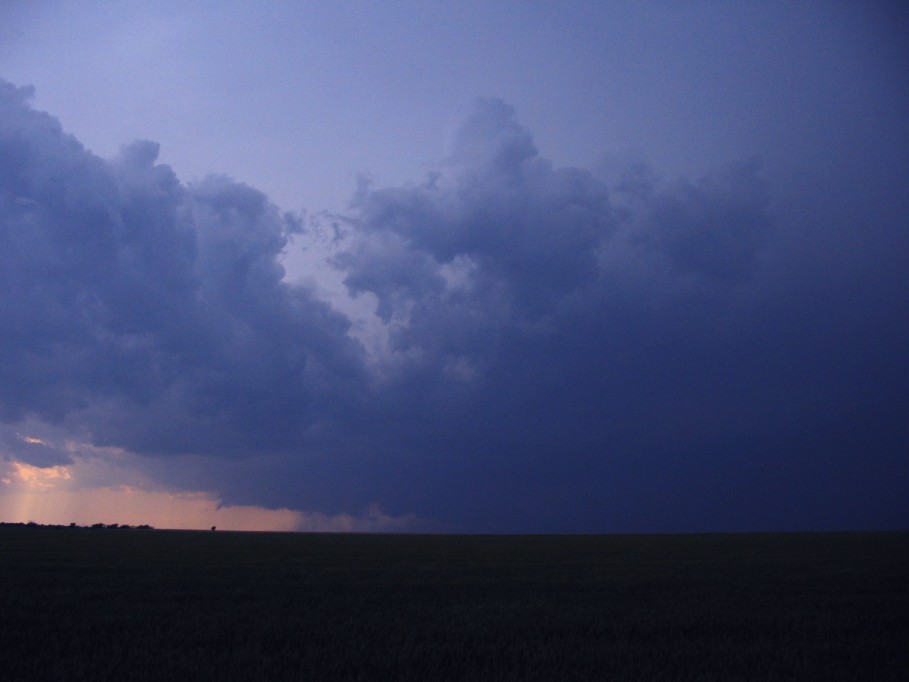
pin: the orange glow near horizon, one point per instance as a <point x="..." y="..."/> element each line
<point x="40" y="478"/>
<point x="137" y="507"/>
<point x="52" y="495"/>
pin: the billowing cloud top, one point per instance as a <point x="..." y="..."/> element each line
<point x="151" y="312"/>
<point x="559" y="353"/>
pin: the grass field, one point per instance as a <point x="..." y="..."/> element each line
<point x="84" y="604"/>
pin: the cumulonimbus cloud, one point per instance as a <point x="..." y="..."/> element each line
<point x="561" y="350"/>
<point x="154" y="309"/>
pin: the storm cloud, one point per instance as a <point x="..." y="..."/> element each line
<point x="555" y="349"/>
<point x="612" y="351"/>
<point x="150" y="312"/>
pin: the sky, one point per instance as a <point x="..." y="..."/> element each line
<point x="511" y="267"/>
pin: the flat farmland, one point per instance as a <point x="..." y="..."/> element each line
<point x="105" y="604"/>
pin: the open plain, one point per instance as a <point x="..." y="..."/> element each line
<point x="105" y="604"/>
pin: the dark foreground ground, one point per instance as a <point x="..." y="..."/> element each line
<point x="83" y="604"/>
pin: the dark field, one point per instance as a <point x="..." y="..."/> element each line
<point x="83" y="604"/>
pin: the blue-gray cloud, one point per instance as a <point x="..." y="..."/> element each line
<point x="614" y="353"/>
<point x="152" y="311"/>
<point x="565" y="351"/>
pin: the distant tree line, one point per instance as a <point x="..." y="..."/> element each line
<point x="107" y="526"/>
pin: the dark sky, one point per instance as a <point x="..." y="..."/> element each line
<point x="545" y="347"/>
